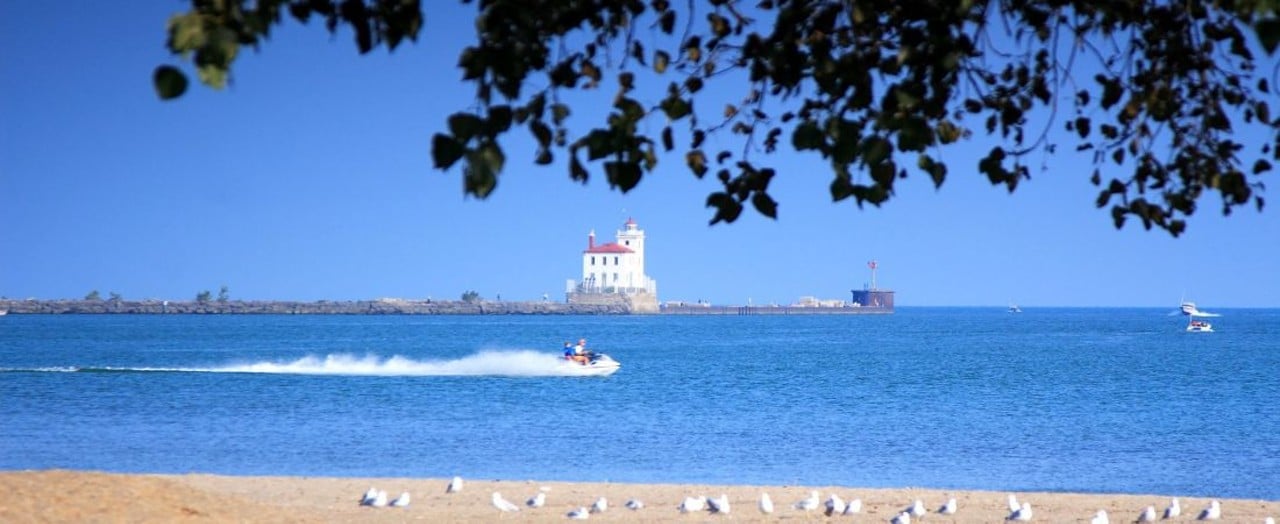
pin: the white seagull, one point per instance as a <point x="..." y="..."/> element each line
<point x="1023" y="513"/>
<point x="808" y="504"/>
<point x="854" y="506"/>
<point x="693" y="504"/>
<point x="1213" y="512"/>
<point x="1100" y="517"/>
<point x="719" y="504"/>
<point x="949" y="508"/>
<point x="402" y="501"/>
<point x="368" y="497"/>
<point x="537" y="501"/>
<point x="1269" y="520"/>
<point x="1174" y="510"/>
<point x="1013" y="504"/>
<point x="600" y="505"/>
<point x="455" y="485"/>
<point x="579" y="514"/>
<point x="766" y="504"/>
<point x="916" y="509"/>
<point x="502" y="504"/>
<point x="901" y="518"/>
<point x="835" y="505"/>
<point x="634" y="504"/>
<point x="1148" y="514"/>
<point x="379" y="501"/>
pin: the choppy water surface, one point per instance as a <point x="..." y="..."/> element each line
<point x="1118" y="400"/>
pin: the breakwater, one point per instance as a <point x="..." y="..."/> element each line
<point x="320" y="307"/>
<point x="695" y="309"/>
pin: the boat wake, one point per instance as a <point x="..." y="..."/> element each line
<point x="513" y="363"/>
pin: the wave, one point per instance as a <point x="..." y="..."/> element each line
<point x="515" y="363"/>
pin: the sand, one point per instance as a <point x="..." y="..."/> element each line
<point x="80" y="496"/>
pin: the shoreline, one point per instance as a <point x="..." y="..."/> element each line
<point x="73" y="496"/>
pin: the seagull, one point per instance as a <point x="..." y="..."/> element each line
<point x="402" y="501"/>
<point x="579" y="514"/>
<point x="455" y="485"/>
<point x="1173" y="510"/>
<point x="835" y="505"/>
<point x="901" y="518"/>
<point x="537" y="501"/>
<point x="854" y="506"/>
<point x="368" y="497"/>
<point x="949" y="508"/>
<point x="693" y="504"/>
<point x="1100" y="517"/>
<point x="1213" y="512"/>
<point x="1023" y="513"/>
<point x="600" y="505"/>
<point x="379" y="501"/>
<point x="1148" y="515"/>
<point x="1013" y="504"/>
<point x="808" y="504"/>
<point x="503" y="504"/>
<point x="766" y="504"/>
<point x="916" y="509"/>
<point x="634" y="504"/>
<point x="1269" y="520"/>
<point x="719" y="505"/>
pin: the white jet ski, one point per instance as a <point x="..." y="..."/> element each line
<point x="597" y="365"/>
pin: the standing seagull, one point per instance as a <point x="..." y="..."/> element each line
<point x="854" y="506"/>
<point x="916" y="509"/>
<point x="579" y="514"/>
<point x="600" y="505"/>
<point x="380" y="501"/>
<point x="455" y="485"/>
<point x="1213" y="512"/>
<point x="766" y="504"/>
<point x="1023" y="513"/>
<point x="901" y="518"/>
<point x="502" y="504"/>
<point x="949" y="508"/>
<point x="719" y="504"/>
<point x="835" y="505"/>
<point x="537" y="501"/>
<point x="402" y="501"/>
<point x="1147" y="515"/>
<point x="808" y="504"/>
<point x="634" y="504"/>
<point x="368" y="497"/>
<point x="693" y="504"/>
<point x="1174" y="510"/>
<point x="1100" y="517"/>
<point x="1013" y="504"/>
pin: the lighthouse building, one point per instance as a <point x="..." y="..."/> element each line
<point x="614" y="271"/>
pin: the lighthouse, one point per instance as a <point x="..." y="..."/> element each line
<point x="614" y="272"/>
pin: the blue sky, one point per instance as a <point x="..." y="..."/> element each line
<point x="310" y="178"/>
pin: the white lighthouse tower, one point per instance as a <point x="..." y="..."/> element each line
<point x="613" y="273"/>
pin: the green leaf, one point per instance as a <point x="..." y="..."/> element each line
<point x="622" y="175"/>
<point x="1268" y="33"/>
<point x="660" y="61"/>
<point x="464" y="126"/>
<point x="765" y="204"/>
<point x="697" y="161"/>
<point x="540" y="132"/>
<point x="445" y="150"/>
<point x="559" y="112"/>
<point x="1082" y="127"/>
<point x="727" y="209"/>
<point x="676" y="107"/>
<point x="576" y="171"/>
<point x="807" y="136"/>
<point x="169" y="82"/>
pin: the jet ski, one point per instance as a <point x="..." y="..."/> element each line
<point x="597" y="365"/>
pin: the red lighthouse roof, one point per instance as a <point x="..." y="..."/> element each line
<point x="612" y="247"/>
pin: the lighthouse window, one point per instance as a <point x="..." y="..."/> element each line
<point x="615" y="261"/>
<point x="627" y="242"/>
<point x="615" y="278"/>
<point x="593" y="261"/>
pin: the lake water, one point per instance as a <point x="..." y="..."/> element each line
<point x="1093" y="400"/>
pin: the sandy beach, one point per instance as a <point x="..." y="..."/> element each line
<point x="79" y="496"/>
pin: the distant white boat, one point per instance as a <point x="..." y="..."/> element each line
<point x="1189" y="309"/>
<point x="1013" y="308"/>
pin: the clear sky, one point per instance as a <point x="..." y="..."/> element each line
<point x="310" y="178"/>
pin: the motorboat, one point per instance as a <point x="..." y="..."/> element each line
<point x="597" y="365"/>
<point x="1189" y="308"/>
<point x="1013" y="308"/>
<point x="1199" y="326"/>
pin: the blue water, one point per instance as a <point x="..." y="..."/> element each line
<point x="1114" y="400"/>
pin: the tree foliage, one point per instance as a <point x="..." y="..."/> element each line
<point x="93" y="295"/>
<point x="223" y="294"/>
<point x="471" y="297"/>
<point x="203" y="297"/>
<point x="1156" y="94"/>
